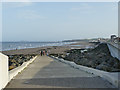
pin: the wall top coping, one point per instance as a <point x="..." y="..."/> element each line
<point x="115" y="45"/>
<point x="3" y="55"/>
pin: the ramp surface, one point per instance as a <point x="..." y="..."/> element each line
<point x="45" y="72"/>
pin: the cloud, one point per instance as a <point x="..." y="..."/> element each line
<point x="82" y="7"/>
<point x="114" y="8"/>
<point x="17" y="4"/>
<point x="23" y="4"/>
<point x="16" y="0"/>
<point x="30" y="14"/>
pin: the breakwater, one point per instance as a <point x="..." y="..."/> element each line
<point x="99" y="58"/>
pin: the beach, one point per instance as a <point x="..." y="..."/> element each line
<point x="51" y="49"/>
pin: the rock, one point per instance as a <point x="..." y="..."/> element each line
<point x="17" y="60"/>
<point x="115" y="70"/>
<point x="98" y="58"/>
<point x="103" y="67"/>
<point x="11" y="67"/>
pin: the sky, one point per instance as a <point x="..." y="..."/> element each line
<point x="56" y="21"/>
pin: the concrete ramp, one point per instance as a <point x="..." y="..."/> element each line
<point x="45" y="72"/>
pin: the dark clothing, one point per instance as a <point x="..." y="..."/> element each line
<point x="41" y="53"/>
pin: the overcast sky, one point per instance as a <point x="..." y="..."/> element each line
<point x="58" y="21"/>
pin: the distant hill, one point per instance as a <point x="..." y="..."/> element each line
<point x="87" y="40"/>
<point x="77" y="40"/>
<point x="73" y="40"/>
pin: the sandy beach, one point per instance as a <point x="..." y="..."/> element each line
<point x="51" y="49"/>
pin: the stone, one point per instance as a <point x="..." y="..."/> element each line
<point x="98" y="58"/>
<point x="17" y="60"/>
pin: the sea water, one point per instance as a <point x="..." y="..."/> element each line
<point x="22" y="45"/>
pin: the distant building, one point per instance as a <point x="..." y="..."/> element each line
<point x="113" y="37"/>
<point x="117" y="39"/>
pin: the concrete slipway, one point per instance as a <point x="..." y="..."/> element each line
<point x="46" y="72"/>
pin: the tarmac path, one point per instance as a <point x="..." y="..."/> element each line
<point x="46" y="72"/>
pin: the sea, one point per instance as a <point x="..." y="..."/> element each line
<point x="4" y="46"/>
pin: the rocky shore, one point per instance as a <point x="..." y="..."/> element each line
<point x="98" y="58"/>
<point x="18" y="60"/>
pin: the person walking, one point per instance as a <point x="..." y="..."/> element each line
<point x="41" y="53"/>
<point x="47" y="53"/>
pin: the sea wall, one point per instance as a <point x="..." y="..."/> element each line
<point x="114" y="50"/>
<point x="14" y="72"/>
<point x="4" y="74"/>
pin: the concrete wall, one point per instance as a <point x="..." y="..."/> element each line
<point x="14" y="72"/>
<point x="4" y="77"/>
<point x="115" y="52"/>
